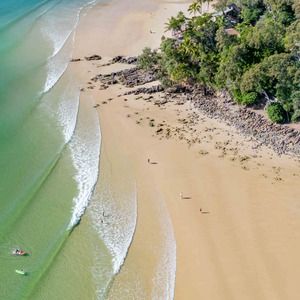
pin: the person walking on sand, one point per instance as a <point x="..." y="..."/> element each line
<point x="180" y="195"/>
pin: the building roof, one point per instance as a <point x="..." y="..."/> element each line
<point x="232" y="31"/>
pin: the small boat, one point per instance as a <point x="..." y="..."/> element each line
<point x="21" y="272"/>
<point x="19" y="252"/>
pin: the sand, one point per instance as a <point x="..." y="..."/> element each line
<point x="233" y="204"/>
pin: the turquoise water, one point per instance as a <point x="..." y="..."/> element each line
<point x="48" y="156"/>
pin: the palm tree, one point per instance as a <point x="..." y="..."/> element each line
<point x="175" y="24"/>
<point x="195" y="7"/>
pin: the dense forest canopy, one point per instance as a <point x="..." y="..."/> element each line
<point x="251" y="48"/>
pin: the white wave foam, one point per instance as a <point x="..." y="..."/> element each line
<point x="85" y="149"/>
<point x="58" y="25"/>
<point x="55" y="69"/>
<point x="164" y="280"/>
<point x="60" y="29"/>
<point x="115" y="219"/>
<point x="67" y="112"/>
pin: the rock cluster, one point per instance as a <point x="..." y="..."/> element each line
<point x="124" y="60"/>
<point x="146" y="90"/>
<point x="129" y="77"/>
<point x="283" y="139"/>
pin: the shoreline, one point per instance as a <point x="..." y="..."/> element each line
<point x="217" y="191"/>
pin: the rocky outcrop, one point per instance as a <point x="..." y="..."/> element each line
<point x="146" y="90"/>
<point x="129" y="77"/>
<point x="281" y="138"/>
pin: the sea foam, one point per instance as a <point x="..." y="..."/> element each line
<point x="67" y="112"/>
<point x="59" y="25"/>
<point x="114" y="218"/>
<point x="59" y="29"/>
<point x="85" y="149"/>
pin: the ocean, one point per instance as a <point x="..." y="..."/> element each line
<point x="49" y="153"/>
<point x="50" y="144"/>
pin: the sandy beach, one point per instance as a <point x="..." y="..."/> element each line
<point x="233" y="205"/>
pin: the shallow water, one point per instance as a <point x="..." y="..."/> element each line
<point x="50" y="143"/>
<point x="48" y="157"/>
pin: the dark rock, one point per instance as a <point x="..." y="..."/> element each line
<point x="124" y="60"/>
<point x="93" y="57"/>
<point x="159" y="130"/>
<point x="75" y="59"/>
<point x="117" y="59"/>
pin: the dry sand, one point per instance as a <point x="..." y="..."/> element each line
<point x="234" y="206"/>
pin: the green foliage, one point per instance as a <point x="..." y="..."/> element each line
<point x="276" y="112"/>
<point x="244" y="98"/>
<point x="148" y="59"/>
<point x="255" y="59"/>
<point x="176" y="24"/>
<point x="295" y="97"/>
<point x="252" y="10"/>
<point x="224" y="41"/>
<point x="249" y="98"/>
<point x="266" y="38"/>
<point x="296" y="116"/>
<point x="195" y="7"/>
<point x="292" y="38"/>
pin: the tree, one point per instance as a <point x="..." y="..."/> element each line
<point x="266" y="38"/>
<point x="175" y="24"/>
<point x="252" y="10"/>
<point x="195" y="7"/>
<point x="276" y="112"/>
<point x="292" y="39"/>
<point x="261" y="62"/>
<point x="148" y="59"/>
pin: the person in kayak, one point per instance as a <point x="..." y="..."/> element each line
<point x="19" y="252"/>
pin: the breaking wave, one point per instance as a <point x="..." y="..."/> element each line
<point x="85" y="149"/>
<point x="115" y="221"/>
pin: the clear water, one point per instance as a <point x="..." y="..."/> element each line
<point x="48" y="156"/>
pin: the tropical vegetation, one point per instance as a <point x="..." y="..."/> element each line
<point x="251" y="48"/>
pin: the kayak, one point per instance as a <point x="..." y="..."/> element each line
<point x="19" y="252"/>
<point x="21" y="272"/>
